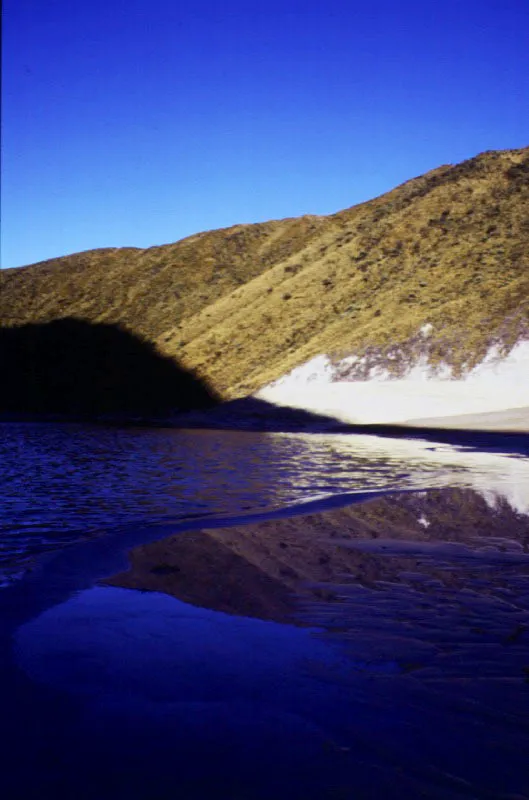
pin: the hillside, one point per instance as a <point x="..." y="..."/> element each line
<point x="245" y="305"/>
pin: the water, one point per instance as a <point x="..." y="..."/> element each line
<point x="62" y="484"/>
<point x="380" y="650"/>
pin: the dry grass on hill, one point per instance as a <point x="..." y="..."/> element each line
<point x="244" y="305"/>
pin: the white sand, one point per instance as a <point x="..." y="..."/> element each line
<point x="496" y="385"/>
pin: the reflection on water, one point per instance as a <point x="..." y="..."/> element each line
<point x="61" y="484"/>
<point x="423" y="543"/>
<point x="402" y="671"/>
<point x="171" y="701"/>
<point x="376" y="650"/>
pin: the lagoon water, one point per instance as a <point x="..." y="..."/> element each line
<point x="63" y="484"/>
<point x="413" y="687"/>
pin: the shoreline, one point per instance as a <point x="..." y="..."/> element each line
<point x="255" y="416"/>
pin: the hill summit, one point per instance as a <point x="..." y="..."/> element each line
<point x="434" y="274"/>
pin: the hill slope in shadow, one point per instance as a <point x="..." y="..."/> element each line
<point x="80" y="368"/>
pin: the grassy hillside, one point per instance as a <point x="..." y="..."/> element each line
<point x="243" y="305"/>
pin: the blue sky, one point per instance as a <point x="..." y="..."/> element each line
<point x="128" y="122"/>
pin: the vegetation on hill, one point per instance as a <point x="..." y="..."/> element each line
<point x="243" y="305"/>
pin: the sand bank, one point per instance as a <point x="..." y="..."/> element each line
<point x="492" y="396"/>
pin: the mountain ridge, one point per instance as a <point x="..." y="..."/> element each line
<point x="242" y="306"/>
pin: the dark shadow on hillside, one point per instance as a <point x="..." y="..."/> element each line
<point x="81" y="369"/>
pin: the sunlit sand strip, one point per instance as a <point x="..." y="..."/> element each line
<point x="496" y="393"/>
<point x="511" y="420"/>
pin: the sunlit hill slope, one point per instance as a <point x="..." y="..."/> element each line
<point x="245" y="305"/>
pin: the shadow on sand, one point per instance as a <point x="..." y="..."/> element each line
<point x="261" y="416"/>
<point x="75" y="368"/>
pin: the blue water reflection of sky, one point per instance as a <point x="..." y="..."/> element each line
<point x="199" y="698"/>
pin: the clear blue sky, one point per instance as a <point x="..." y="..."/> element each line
<point x="138" y="122"/>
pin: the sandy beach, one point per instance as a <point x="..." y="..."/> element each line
<point x="492" y="396"/>
<point x="515" y="420"/>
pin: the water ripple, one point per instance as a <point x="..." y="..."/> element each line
<point x="64" y="483"/>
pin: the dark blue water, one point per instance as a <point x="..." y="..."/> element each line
<point x="61" y="484"/>
<point x="414" y="686"/>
